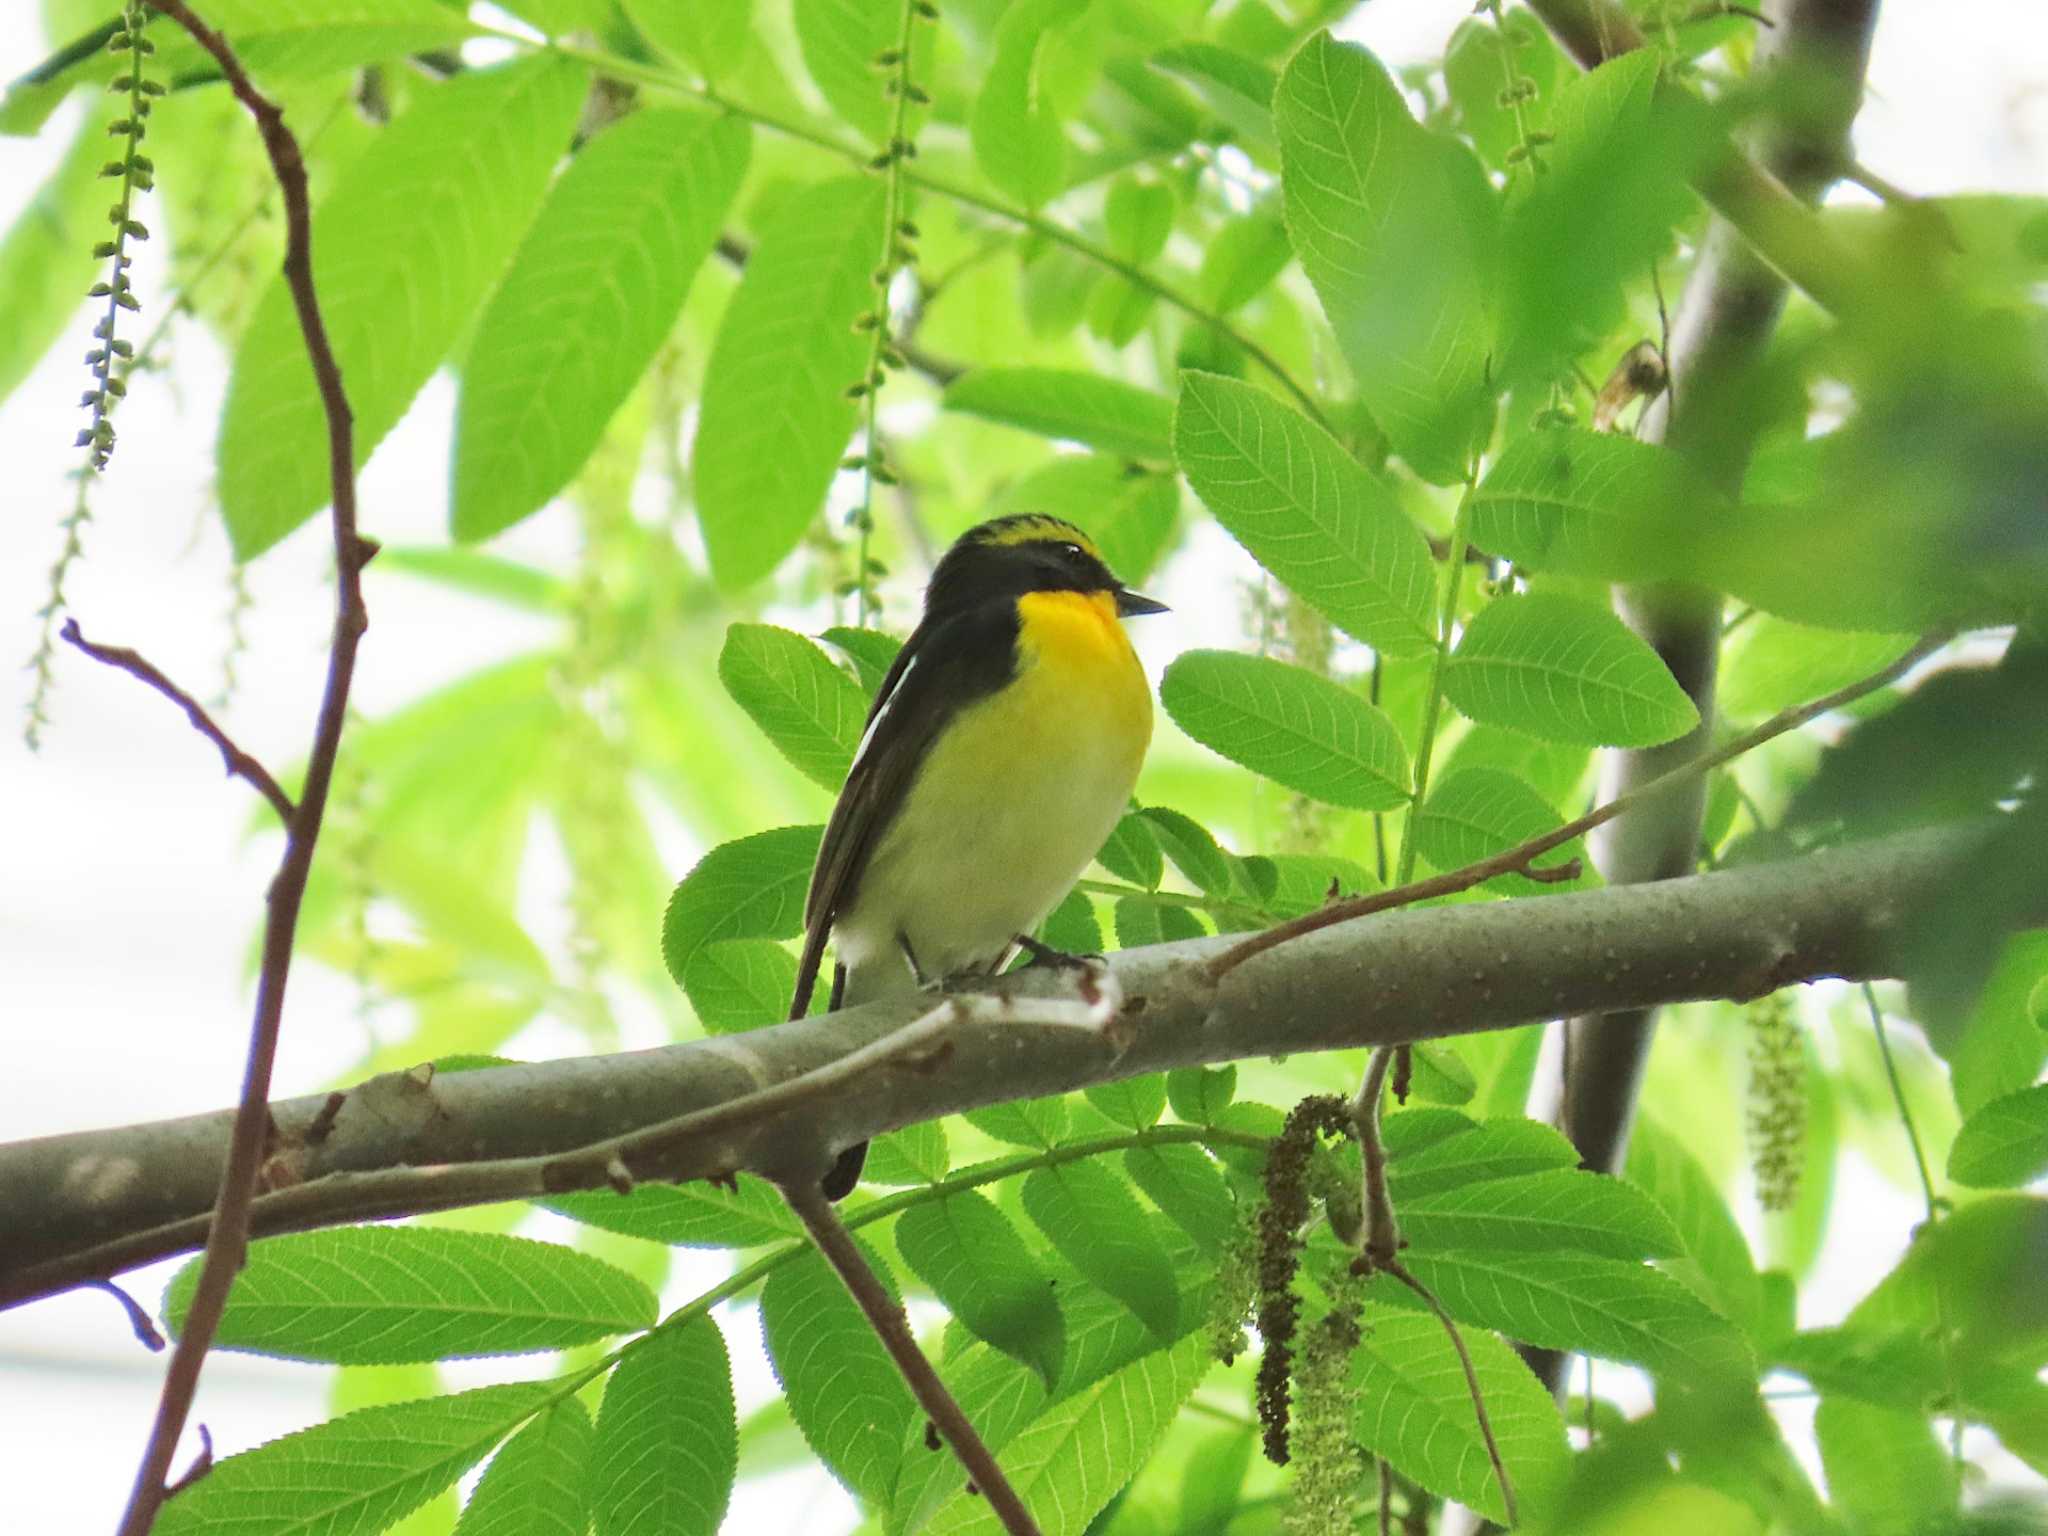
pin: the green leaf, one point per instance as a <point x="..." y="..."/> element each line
<point x="1366" y="189"/>
<point x="871" y="652"/>
<point x="712" y="34"/>
<point x="1618" y="1311"/>
<point x="1613" y="184"/>
<point x="2005" y="1143"/>
<point x="1585" y="503"/>
<point x="1454" y="1155"/>
<point x="1888" y="1472"/>
<point x="751" y="888"/>
<point x="1185" y="1184"/>
<point x="1302" y="881"/>
<point x="976" y="1263"/>
<point x="1441" y="1076"/>
<point x="1069" y="1463"/>
<point x="1555" y="770"/>
<point x="595" y="286"/>
<point x="776" y="413"/>
<point x="806" y="706"/>
<point x="389" y="1295"/>
<point x="1566" y="670"/>
<point x="539" y="1482"/>
<point x="1291" y="725"/>
<point x="1132" y="852"/>
<point x="479" y="574"/>
<point x="1243" y="258"/>
<point x="46" y="259"/>
<point x="1473" y="813"/>
<point x="667" y="1435"/>
<point x="1561" y="1210"/>
<point x="1771" y="664"/>
<point x="1718" y="1254"/>
<point x="2002" y="1048"/>
<point x="839" y="40"/>
<point x="1972" y="1280"/>
<point x="910" y="1154"/>
<point x="699" y="1214"/>
<point x="999" y="1397"/>
<point x="1238" y="89"/>
<point x="1035" y="1123"/>
<point x="1135" y="1103"/>
<point x="1088" y="408"/>
<point x="1415" y="1409"/>
<point x="1015" y="126"/>
<point x="312" y="37"/>
<point x="1199" y="1094"/>
<point x="843" y="1391"/>
<point x="1192" y="848"/>
<point x="1091" y="1218"/>
<point x="740" y="984"/>
<point x="404" y="249"/>
<point x="1129" y="512"/>
<point x="1071" y="926"/>
<point x="1140" y="922"/>
<point x="397" y="1457"/>
<point x="1328" y="529"/>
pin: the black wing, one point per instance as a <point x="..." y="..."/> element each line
<point x="942" y="668"/>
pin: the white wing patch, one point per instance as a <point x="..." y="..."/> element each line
<point x="867" y="737"/>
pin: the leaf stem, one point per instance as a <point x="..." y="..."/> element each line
<point x="1891" y="1073"/>
<point x="1447" y="618"/>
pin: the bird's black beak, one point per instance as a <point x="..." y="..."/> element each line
<point x="1130" y="604"/>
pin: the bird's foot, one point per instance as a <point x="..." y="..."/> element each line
<point x="1057" y="959"/>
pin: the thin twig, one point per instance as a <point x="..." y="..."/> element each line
<point x="1386" y="1481"/>
<point x="1379" y="1234"/>
<point x="1891" y="1074"/>
<point x="145" y="1331"/>
<point x="885" y="1315"/>
<point x="201" y="1464"/>
<point x="228" y="1240"/>
<point x="240" y="764"/>
<point x="1518" y="859"/>
<point x="1507" y="1486"/>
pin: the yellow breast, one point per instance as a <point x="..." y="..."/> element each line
<point x="1077" y="662"/>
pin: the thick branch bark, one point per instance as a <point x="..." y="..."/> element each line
<point x="1816" y="53"/>
<point x="410" y="1142"/>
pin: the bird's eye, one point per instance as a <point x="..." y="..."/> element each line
<point x="1073" y="552"/>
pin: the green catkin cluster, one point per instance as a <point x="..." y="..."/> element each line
<point x="1775" y="1114"/>
<point x="136" y="173"/>
<point x="1230" y="1303"/>
<point x="1323" y="1497"/>
<point x="1281" y="1217"/>
<point x="899" y="251"/>
<point x="1517" y="91"/>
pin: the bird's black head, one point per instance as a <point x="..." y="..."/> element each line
<point x="1029" y="552"/>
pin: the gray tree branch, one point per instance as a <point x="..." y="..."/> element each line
<point x="1814" y="57"/>
<point x="89" y="1204"/>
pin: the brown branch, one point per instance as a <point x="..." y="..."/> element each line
<point x="138" y="1318"/>
<point x="1500" y="1472"/>
<point x="885" y="1315"/>
<point x="1379" y="1250"/>
<point x="228" y="1239"/>
<point x="1517" y="860"/>
<point x="240" y="764"/>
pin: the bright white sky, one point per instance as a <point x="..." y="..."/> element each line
<point x="129" y="897"/>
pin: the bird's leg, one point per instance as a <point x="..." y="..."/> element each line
<point x="1057" y="959"/>
<point x="924" y="983"/>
